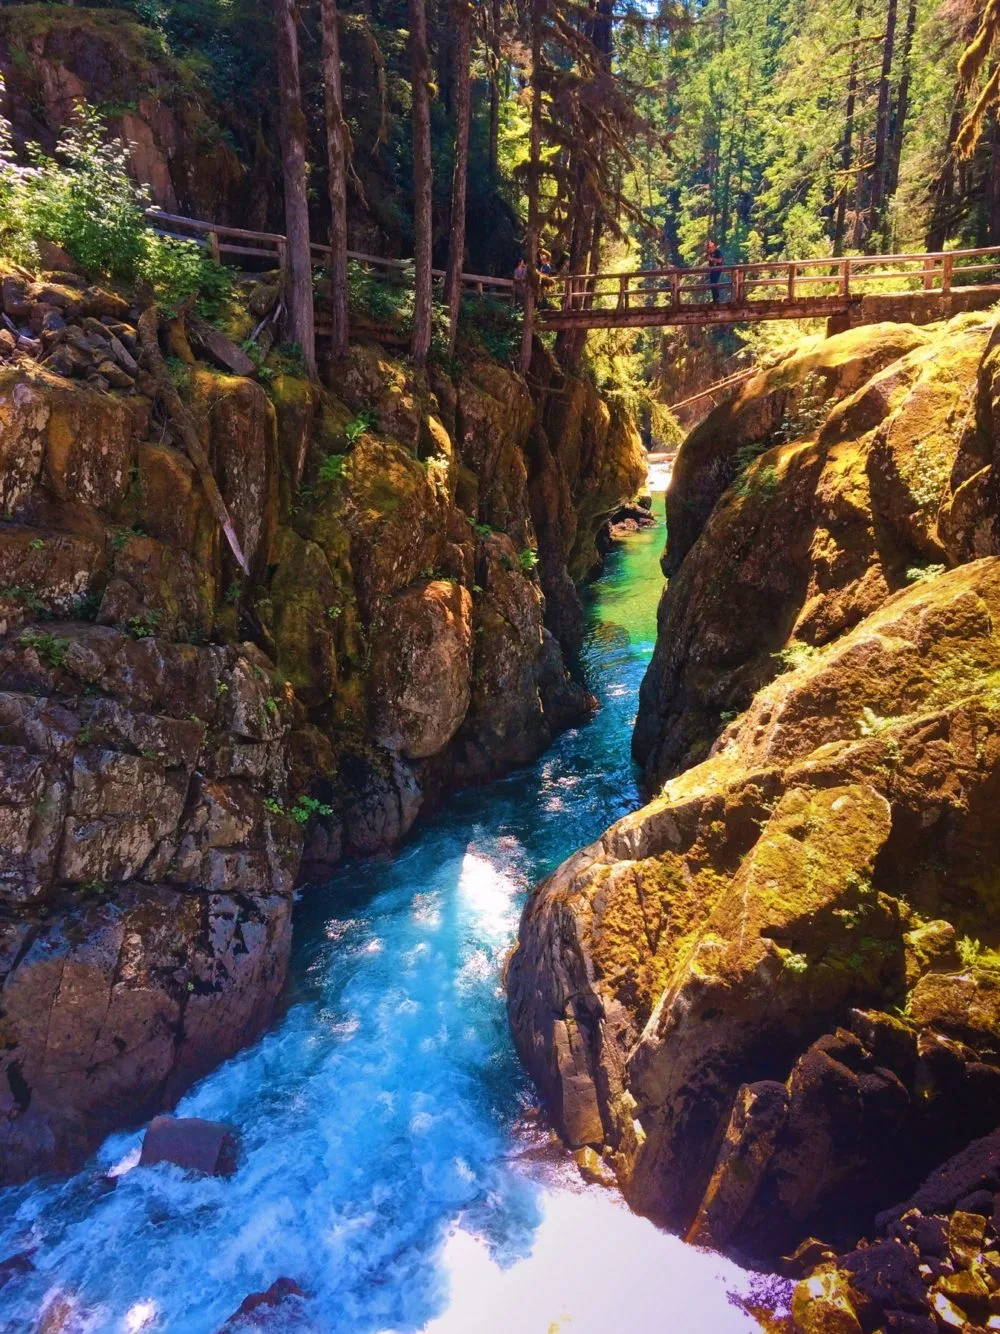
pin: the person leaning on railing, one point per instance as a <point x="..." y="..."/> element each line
<point x="715" y="263"/>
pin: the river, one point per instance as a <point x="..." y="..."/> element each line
<point x="389" y="1161"/>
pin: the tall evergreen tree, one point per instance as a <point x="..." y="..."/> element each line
<point x="337" y="153"/>
<point x="423" y="183"/>
<point x="462" y="16"/>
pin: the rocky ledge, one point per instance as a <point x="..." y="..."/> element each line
<point x="770" y="997"/>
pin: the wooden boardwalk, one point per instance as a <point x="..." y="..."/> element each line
<point x="650" y="298"/>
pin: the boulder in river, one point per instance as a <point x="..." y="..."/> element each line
<point x="208" y="1147"/>
<point x="263" y="1310"/>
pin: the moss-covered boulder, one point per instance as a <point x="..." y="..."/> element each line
<point x="812" y="537"/>
<point x="786" y="401"/>
<point x="763" y="896"/>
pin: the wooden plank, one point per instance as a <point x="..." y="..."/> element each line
<point x="731" y="382"/>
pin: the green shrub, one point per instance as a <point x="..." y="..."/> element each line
<point x="84" y="200"/>
<point x="50" y="648"/>
<point x="180" y="272"/>
<point x="332" y="468"/>
<point x="357" y="426"/>
<point x="143" y="626"/>
<point x="528" y="560"/>
<point x="306" y="807"/>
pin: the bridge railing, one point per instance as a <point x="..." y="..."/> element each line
<point x="238" y="243"/>
<point x="792" y="285"/>
<point x="786" y="281"/>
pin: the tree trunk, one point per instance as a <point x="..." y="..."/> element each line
<point x="877" y="206"/>
<point x="534" y="185"/>
<point x="297" y="275"/>
<point x="943" y="191"/>
<point x="902" y="104"/>
<point x="494" y="28"/>
<point x="462" y="13"/>
<point x="846" y="148"/>
<point x="422" y="182"/>
<point x="336" y="132"/>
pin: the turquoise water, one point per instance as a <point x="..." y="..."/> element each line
<point x="387" y="1162"/>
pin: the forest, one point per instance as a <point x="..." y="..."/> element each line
<point x="612" y="136"/>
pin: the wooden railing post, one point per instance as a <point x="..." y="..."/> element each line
<point x="675" y="289"/>
<point x="623" y="292"/>
<point x="928" y="275"/>
<point x="736" y="294"/>
<point x="845" y="278"/>
<point x="791" y="282"/>
<point x="213" y="245"/>
<point x="947" y="264"/>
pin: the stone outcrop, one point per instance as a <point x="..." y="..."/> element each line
<point x="767" y="996"/>
<point x="50" y="59"/>
<point x="828" y="484"/>
<point x="180" y="745"/>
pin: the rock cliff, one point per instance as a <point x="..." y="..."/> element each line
<point x="767" y="995"/>
<point x="180" y="745"/>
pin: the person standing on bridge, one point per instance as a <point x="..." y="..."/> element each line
<point x="713" y="257"/>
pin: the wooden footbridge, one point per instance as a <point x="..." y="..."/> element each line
<point x="650" y="298"/>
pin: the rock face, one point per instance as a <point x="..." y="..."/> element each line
<point x="51" y="61"/>
<point x="179" y="746"/>
<point x="145" y="878"/>
<point x="768" y="995"/>
<point x="796" y="511"/>
<point x="421" y="668"/>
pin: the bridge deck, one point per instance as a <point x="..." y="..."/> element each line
<point x="705" y="312"/>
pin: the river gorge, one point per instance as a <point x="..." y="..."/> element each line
<point x="390" y="1165"/>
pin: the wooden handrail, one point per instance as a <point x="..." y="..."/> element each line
<point x="156" y="215"/>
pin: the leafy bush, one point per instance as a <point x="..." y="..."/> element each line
<point x="84" y="200"/>
<point x="528" y="560"/>
<point x="379" y="299"/>
<point x="332" y="468"/>
<point x="494" y="326"/>
<point x="180" y="272"/>
<point x="144" y="625"/>
<point x="50" y="648"/>
<point x="793" y="656"/>
<point x="306" y="807"/>
<point x="357" y="426"/>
